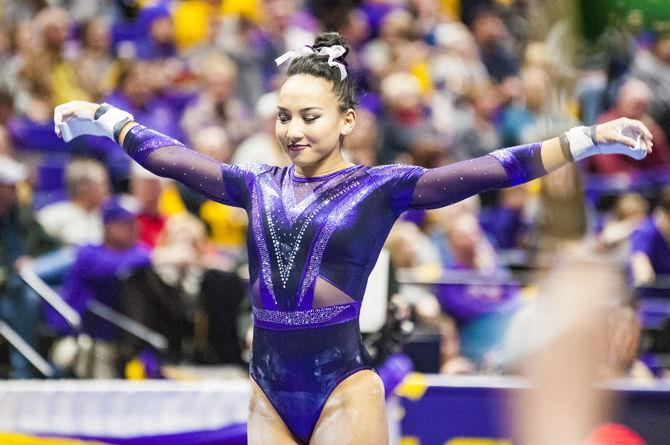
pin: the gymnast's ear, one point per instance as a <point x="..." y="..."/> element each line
<point x="349" y="122"/>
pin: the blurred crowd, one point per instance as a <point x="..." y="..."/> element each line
<point x="440" y="81"/>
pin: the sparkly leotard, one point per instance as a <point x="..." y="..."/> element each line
<point x="312" y="243"/>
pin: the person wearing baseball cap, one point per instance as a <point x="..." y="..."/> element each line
<point x="97" y="274"/>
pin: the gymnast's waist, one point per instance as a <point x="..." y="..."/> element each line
<point x="305" y="319"/>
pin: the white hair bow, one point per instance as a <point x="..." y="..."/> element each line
<point x="333" y="52"/>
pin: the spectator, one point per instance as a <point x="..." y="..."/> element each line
<point x="51" y="68"/>
<point x="456" y="65"/>
<point x="481" y="311"/>
<point x="519" y="119"/>
<point x="624" y="333"/>
<point x="397" y="48"/>
<point x="95" y="64"/>
<point x="25" y="43"/>
<point x="404" y="116"/>
<point x="78" y="220"/>
<point x="492" y="38"/>
<point x="283" y="26"/>
<point x="653" y="67"/>
<point x="210" y="297"/>
<point x="158" y="40"/>
<point x="650" y="249"/>
<point x="146" y="189"/>
<point x="137" y="92"/>
<point x="634" y="102"/>
<point x="507" y="223"/>
<point x="476" y="134"/>
<point x="217" y="105"/>
<point x="21" y="238"/>
<point x="98" y="274"/>
<point x="452" y="361"/>
<point x="629" y="212"/>
<point x="457" y="72"/>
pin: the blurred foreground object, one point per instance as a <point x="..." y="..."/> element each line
<point x="569" y="351"/>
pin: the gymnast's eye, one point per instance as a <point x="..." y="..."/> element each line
<point x="283" y="117"/>
<point x="310" y="118"/>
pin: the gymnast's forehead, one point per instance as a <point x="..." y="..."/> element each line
<point x="302" y="91"/>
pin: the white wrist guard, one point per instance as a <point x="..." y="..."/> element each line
<point x="581" y="142"/>
<point x="111" y="120"/>
<point x="108" y="122"/>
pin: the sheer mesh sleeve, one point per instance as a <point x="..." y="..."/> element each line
<point x="167" y="157"/>
<point x="439" y="187"/>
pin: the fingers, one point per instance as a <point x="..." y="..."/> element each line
<point x="58" y="118"/>
<point x="645" y="131"/>
<point x="645" y="139"/>
<point x="66" y="111"/>
<point x="623" y="139"/>
<point x="642" y="142"/>
<point x="641" y="129"/>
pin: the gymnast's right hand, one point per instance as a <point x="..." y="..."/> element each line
<point x="78" y="118"/>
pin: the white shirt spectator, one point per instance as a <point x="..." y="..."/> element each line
<point x="71" y="223"/>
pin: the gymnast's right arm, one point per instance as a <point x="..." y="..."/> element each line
<point x="158" y="153"/>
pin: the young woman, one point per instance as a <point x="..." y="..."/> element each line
<point x="316" y="228"/>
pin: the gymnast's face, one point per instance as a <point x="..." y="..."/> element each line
<point x="310" y="124"/>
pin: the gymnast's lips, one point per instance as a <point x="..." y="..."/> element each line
<point x="297" y="147"/>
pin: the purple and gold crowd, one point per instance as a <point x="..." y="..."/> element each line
<point x="440" y="81"/>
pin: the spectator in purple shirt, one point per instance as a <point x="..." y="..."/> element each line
<point x="507" y="223"/>
<point x="481" y="310"/>
<point x="650" y="247"/>
<point x="98" y="274"/>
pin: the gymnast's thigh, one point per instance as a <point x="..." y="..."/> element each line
<point x="355" y="413"/>
<point x="265" y="426"/>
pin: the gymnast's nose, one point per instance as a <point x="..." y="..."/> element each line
<point x="294" y="133"/>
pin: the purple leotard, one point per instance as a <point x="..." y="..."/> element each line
<point x="312" y="243"/>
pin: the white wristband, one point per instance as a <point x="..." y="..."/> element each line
<point x="581" y="144"/>
<point x="110" y="119"/>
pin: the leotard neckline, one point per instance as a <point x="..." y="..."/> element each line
<point x="293" y="176"/>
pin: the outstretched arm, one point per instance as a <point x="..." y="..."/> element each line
<point x="506" y="167"/>
<point x="156" y="152"/>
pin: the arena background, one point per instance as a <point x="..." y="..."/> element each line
<point x="537" y="314"/>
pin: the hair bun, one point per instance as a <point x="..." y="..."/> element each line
<point x="326" y="39"/>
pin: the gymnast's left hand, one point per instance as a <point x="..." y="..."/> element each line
<point x="624" y="136"/>
<point x="79" y="118"/>
<point x="74" y="109"/>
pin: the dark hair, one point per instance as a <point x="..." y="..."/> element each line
<point x="317" y="66"/>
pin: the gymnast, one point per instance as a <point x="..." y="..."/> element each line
<point x="316" y="229"/>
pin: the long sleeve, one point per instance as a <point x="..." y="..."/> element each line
<point x="167" y="157"/>
<point x="411" y="187"/>
<point x="442" y="186"/>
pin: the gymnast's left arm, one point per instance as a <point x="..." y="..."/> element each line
<point x="441" y="186"/>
